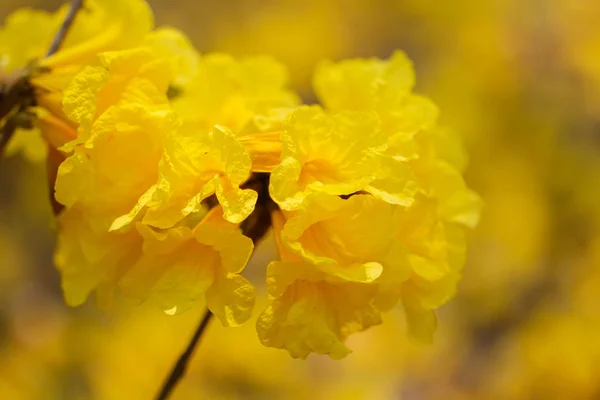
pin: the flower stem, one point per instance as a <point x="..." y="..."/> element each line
<point x="180" y="367"/>
<point x="64" y="28"/>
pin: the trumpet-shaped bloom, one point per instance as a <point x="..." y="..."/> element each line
<point x="123" y="118"/>
<point x="238" y="94"/>
<point x="434" y="156"/>
<point x="193" y="167"/>
<point x="180" y="264"/>
<point x="315" y="316"/>
<point x="100" y="27"/>
<point x="339" y="154"/>
<point x="337" y="236"/>
<point x="333" y="264"/>
<point x="384" y="86"/>
<point x="436" y="254"/>
<point x="90" y="258"/>
<point x="131" y="162"/>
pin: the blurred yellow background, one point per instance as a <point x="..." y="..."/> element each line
<point x="518" y="79"/>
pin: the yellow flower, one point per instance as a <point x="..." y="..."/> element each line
<point x="339" y="155"/>
<point x="232" y="93"/>
<point x="123" y="116"/>
<point x="311" y="311"/>
<point x="137" y="176"/>
<point x="434" y="155"/>
<point x="336" y="257"/>
<point x="180" y="264"/>
<point x="316" y="316"/>
<point x="378" y="89"/>
<point x="384" y="86"/>
<point x="100" y="26"/>
<point x="131" y="161"/>
<point x="193" y="167"/>
<point x="436" y="254"/>
<point x="350" y="239"/>
<point x="90" y="258"/>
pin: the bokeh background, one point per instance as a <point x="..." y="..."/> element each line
<point x="518" y="79"/>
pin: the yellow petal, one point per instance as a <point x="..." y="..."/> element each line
<point x="180" y="265"/>
<point x="421" y="324"/>
<point x="232" y="93"/>
<point x="316" y="317"/>
<point x="30" y="142"/>
<point x="364" y="84"/>
<point x="174" y="46"/>
<point x="88" y="256"/>
<point x="19" y="43"/>
<point x="395" y="183"/>
<point x="349" y="239"/>
<point x="338" y="155"/>
<point x="264" y="149"/>
<point x="237" y="204"/>
<point x="231" y="299"/>
<point x="81" y="95"/>
<point x="457" y="202"/>
<point x="195" y="166"/>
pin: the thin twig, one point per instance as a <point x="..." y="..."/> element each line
<point x="64" y="28"/>
<point x="180" y="367"/>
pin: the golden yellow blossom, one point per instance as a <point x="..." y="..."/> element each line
<point x="311" y="312"/>
<point x="193" y="167"/>
<point x="409" y="121"/>
<point x="332" y="262"/>
<point x="181" y="264"/>
<point x="146" y="192"/>
<point x="317" y="316"/>
<point x="122" y="115"/>
<point x="384" y="86"/>
<point x="90" y="258"/>
<point x="339" y="154"/>
<point x="337" y="236"/>
<point x="99" y="27"/>
<point x="232" y="93"/>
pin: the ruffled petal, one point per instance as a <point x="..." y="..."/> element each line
<point x="196" y="166"/>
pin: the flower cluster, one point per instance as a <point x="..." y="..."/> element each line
<point x="171" y="165"/>
<point x="373" y="207"/>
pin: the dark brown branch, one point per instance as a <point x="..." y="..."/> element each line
<point x="180" y="367"/>
<point x="59" y="38"/>
<point x="17" y="96"/>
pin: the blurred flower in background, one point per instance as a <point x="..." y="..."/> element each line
<point x="518" y="80"/>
